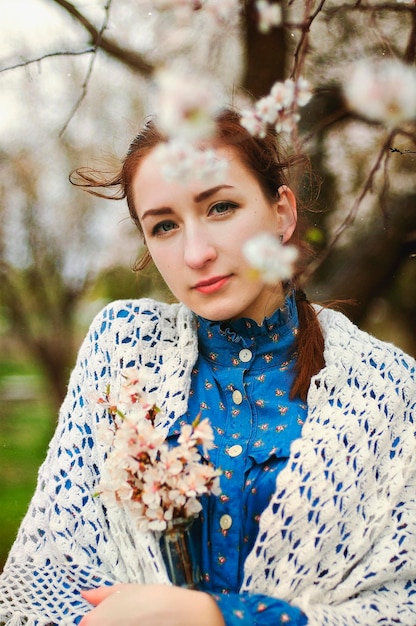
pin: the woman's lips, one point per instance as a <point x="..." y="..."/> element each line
<point x="212" y="284"/>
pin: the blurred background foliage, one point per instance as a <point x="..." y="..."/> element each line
<point x="64" y="254"/>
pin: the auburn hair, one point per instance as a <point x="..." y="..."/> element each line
<point x="266" y="158"/>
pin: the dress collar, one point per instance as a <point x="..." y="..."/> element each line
<point x="277" y="332"/>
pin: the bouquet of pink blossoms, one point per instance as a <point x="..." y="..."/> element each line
<point x="158" y="482"/>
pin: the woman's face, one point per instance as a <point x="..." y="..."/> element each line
<point x="195" y="233"/>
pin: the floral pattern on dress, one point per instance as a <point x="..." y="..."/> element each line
<point x="253" y="432"/>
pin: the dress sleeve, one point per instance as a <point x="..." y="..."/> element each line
<point x="244" y="609"/>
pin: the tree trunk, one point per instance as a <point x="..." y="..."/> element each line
<point x="370" y="265"/>
<point x="265" y="54"/>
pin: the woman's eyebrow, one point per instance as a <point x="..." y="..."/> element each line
<point x="210" y="192"/>
<point x="163" y="210"/>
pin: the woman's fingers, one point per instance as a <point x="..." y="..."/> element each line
<point x="95" y="596"/>
<point x="150" y="605"/>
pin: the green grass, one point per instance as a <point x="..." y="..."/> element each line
<point x="26" y="425"/>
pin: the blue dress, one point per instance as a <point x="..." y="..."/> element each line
<point x="241" y="382"/>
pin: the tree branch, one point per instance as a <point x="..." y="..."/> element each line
<point x="47" y="56"/>
<point x="302" y="46"/>
<point x="128" y="57"/>
<point x="367" y="267"/>
<point x="367" y="8"/>
<point x="349" y="219"/>
<point x="89" y="71"/>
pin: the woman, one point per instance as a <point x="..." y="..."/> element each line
<point x="313" y="421"/>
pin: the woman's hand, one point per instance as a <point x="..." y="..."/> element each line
<point x="150" y="605"/>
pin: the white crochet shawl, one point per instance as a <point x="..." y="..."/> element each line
<point x="338" y="538"/>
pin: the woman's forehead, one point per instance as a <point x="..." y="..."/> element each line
<point x="150" y="170"/>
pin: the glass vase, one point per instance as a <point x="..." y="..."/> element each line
<point x="179" y="553"/>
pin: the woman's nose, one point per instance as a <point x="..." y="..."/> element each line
<point x="199" y="249"/>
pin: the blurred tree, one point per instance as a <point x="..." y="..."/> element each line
<point x="46" y="265"/>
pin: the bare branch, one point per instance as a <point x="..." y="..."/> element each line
<point x="128" y="57"/>
<point x="349" y="219"/>
<point x="48" y="55"/>
<point x="402" y="151"/>
<point x="89" y="71"/>
<point x="367" y="188"/>
<point x="302" y="46"/>
<point x="368" y="8"/>
<point x="408" y="135"/>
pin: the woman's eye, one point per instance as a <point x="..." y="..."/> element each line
<point x="222" y="207"/>
<point x="163" y="227"/>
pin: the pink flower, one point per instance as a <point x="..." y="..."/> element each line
<point x="267" y="109"/>
<point x="181" y="160"/>
<point x="204" y="435"/>
<point x="186" y="104"/>
<point x="222" y="10"/>
<point x="269" y="15"/>
<point x="279" y="108"/>
<point x="182" y="9"/>
<point x="172" y="465"/>
<point x="155" y="481"/>
<point x="269" y="259"/>
<point x="303" y="91"/>
<point x="383" y="91"/>
<point x="286" y="122"/>
<point x="253" y="123"/>
<point x="130" y="391"/>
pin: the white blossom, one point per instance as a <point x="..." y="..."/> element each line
<point x="105" y="433"/>
<point x="131" y="388"/>
<point x="182" y="161"/>
<point x="269" y="15"/>
<point x="251" y="121"/>
<point x="182" y="10"/>
<point x="279" y="108"/>
<point x="186" y="104"/>
<point x="283" y="93"/>
<point x="383" y="91"/>
<point x="222" y="10"/>
<point x="303" y="91"/>
<point x="286" y="122"/>
<point x="267" y="109"/>
<point x="157" y="482"/>
<point x="269" y="259"/>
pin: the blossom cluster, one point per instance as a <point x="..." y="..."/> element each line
<point x="186" y="104"/>
<point x="279" y="108"/>
<point x="182" y="161"/>
<point x="157" y="482"/>
<point x="269" y="15"/>
<point x="222" y="10"/>
<point x="270" y="260"/>
<point x="383" y="91"/>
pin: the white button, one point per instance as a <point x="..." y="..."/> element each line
<point x="245" y="355"/>
<point x="235" y="450"/>
<point x="226" y="522"/>
<point x="237" y="396"/>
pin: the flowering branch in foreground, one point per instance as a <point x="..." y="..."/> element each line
<point x="383" y="91"/>
<point x="279" y="108"/>
<point x="156" y="482"/>
<point x="269" y="260"/>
